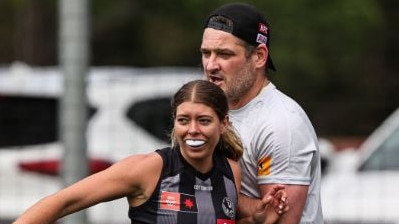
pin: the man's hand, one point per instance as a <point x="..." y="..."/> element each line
<point x="272" y="205"/>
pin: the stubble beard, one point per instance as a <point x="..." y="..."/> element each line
<point x="240" y="85"/>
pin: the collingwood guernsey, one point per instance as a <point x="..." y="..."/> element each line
<point x="201" y="199"/>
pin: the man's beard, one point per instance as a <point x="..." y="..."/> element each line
<point x="240" y="85"/>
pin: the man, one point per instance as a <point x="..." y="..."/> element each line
<point x="279" y="140"/>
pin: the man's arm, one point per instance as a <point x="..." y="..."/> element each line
<point x="297" y="195"/>
<point x="263" y="211"/>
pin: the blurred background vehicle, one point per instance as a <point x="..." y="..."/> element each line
<point x="362" y="185"/>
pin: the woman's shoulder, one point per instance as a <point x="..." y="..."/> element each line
<point x="236" y="170"/>
<point x="141" y="160"/>
<point x="235" y="166"/>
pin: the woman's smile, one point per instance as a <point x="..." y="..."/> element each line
<point x="195" y="143"/>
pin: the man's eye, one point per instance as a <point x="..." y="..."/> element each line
<point x="225" y="54"/>
<point x="205" y="54"/>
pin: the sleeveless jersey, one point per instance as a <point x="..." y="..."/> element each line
<point x="183" y="195"/>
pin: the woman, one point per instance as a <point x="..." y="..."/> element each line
<point x="194" y="181"/>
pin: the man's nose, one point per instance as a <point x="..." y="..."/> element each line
<point x="212" y="63"/>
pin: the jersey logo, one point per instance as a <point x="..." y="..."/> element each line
<point x="202" y="188"/>
<point x="178" y="202"/>
<point x="228" y="207"/>
<point x="264" y="166"/>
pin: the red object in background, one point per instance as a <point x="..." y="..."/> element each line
<point x="52" y="167"/>
<point x="344" y="143"/>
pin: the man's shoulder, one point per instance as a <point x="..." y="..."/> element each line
<point x="278" y="104"/>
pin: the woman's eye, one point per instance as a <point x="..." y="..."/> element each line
<point x="182" y="120"/>
<point x="205" y="121"/>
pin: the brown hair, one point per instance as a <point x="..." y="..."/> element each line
<point x="209" y="94"/>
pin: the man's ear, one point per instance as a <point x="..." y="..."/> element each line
<point x="261" y="55"/>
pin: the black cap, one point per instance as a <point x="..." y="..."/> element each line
<point x="248" y="24"/>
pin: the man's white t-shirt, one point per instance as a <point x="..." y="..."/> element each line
<point x="280" y="146"/>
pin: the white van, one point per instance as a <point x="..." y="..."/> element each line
<point x="129" y="113"/>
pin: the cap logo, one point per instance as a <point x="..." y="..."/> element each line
<point x="262" y="39"/>
<point x="263" y="28"/>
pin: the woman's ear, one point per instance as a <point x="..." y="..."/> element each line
<point x="224" y="125"/>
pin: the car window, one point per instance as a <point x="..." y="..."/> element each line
<point x="29" y="120"/>
<point x="153" y="115"/>
<point x="386" y="157"/>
